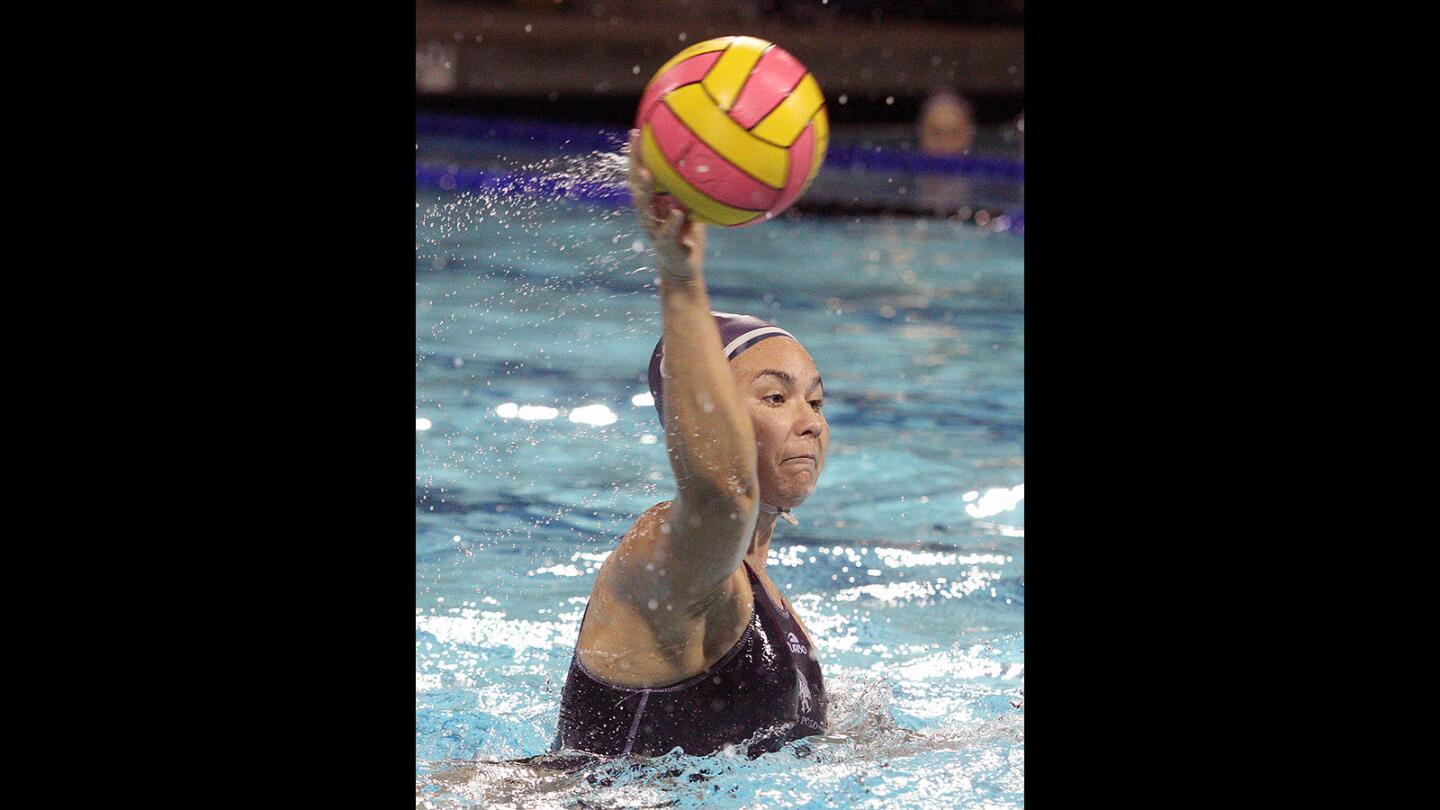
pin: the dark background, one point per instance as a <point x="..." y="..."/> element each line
<point x="577" y="61"/>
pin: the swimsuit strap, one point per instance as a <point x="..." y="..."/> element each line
<point x="757" y="585"/>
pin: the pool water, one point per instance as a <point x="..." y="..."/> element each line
<point x="535" y="319"/>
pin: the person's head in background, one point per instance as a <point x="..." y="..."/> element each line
<point x="947" y="126"/>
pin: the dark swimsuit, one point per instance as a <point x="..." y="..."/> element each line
<point x="768" y="681"/>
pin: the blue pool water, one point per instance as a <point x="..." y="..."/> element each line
<point x="535" y="318"/>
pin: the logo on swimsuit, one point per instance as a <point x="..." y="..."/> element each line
<point x="804" y="690"/>
<point x="796" y="646"/>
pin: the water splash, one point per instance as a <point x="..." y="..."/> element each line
<point x="511" y="193"/>
<point x="867" y="757"/>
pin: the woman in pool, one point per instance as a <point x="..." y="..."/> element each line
<point x="686" y="641"/>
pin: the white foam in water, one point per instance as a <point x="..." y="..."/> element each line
<point x="866" y="759"/>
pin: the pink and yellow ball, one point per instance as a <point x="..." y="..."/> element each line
<point x="734" y="129"/>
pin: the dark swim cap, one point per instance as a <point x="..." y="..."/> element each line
<point x="737" y="333"/>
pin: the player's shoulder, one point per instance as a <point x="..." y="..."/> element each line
<point x="644" y="537"/>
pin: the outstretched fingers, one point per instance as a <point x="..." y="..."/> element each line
<point x="667" y="223"/>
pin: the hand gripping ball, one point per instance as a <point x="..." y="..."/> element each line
<point x="734" y="129"/>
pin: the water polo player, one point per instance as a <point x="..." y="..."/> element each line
<point x="686" y="641"/>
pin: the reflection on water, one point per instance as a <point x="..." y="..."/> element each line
<point x="994" y="501"/>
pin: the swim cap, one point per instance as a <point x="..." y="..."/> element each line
<point x="737" y="333"/>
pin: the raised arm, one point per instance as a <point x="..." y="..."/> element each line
<point x="708" y="435"/>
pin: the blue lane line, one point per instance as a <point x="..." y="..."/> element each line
<point x="451" y="178"/>
<point x="588" y="138"/>
<point x="874" y="159"/>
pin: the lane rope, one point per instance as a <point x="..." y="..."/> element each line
<point x="585" y="138"/>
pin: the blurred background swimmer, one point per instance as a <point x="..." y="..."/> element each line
<point x="947" y="126"/>
<point x="946" y="129"/>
